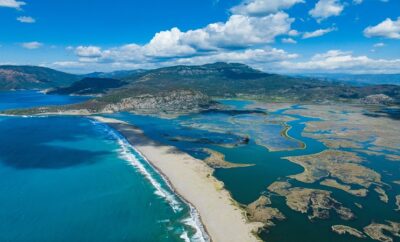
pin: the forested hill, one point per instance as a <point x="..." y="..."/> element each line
<point x="33" y="77"/>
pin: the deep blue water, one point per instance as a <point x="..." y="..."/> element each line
<point x="72" y="179"/>
<point x="27" y="99"/>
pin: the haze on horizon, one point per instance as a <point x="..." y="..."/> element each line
<point x="283" y="36"/>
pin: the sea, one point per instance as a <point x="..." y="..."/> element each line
<point x="74" y="179"/>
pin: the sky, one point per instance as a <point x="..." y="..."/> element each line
<point x="279" y="36"/>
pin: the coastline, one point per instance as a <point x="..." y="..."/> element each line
<point x="193" y="181"/>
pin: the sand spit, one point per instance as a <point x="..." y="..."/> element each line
<point x="223" y="219"/>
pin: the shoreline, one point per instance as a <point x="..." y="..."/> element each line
<point x="192" y="180"/>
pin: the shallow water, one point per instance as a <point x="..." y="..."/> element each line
<point x="214" y="130"/>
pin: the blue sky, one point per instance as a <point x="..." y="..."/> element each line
<point x="284" y="36"/>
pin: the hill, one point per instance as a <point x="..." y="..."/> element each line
<point x="89" y="86"/>
<point x="33" y="77"/>
<point x="238" y="80"/>
<point x="115" y="74"/>
<point x="169" y="102"/>
<point x="359" y="79"/>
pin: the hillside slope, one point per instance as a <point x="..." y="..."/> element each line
<point x="89" y="86"/>
<point x="33" y="77"/>
<point x="238" y="80"/>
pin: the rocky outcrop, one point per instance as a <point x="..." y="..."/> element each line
<point x="377" y="99"/>
<point x="167" y="102"/>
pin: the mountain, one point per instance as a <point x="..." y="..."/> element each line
<point x="33" y="77"/>
<point x="359" y="79"/>
<point x="116" y="74"/>
<point x="218" y="79"/>
<point x="89" y="86"/>
<point x="239" y="80"/>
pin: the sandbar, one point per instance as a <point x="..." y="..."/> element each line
<point x="192" y="179"/>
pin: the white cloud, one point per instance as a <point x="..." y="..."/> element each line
<point x="289" y="41"/>
<point x="317" y="33"/>
<point x="326" y="8"/>
<point x="357" y="1"/>
<point x="338" y="61"/>
<point x="248" y="56"/>
<point x="237" y="33"/>
<point x="88" y="51"/>
<point x="168" y="43"/>
<point x="388" y="29"/>
<point x="26" y="19"/>
<point x="31" y="45"/>
<point x="293" y="32"/>
<point x="263" y="7"/>
<point x="377" y="45"/>
<point x="11" y="4"/>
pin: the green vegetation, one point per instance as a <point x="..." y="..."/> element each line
<point x="88" y="86"/>
<point x="33" y="77"/>
<point x="238" y="80"/>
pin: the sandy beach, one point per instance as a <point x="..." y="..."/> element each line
<point x="192" y="179"/>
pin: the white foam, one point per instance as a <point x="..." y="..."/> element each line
<point x="126" y="154"/>
<point x="194" y="222"/>
<point x="134" y="157"/>
<point x="185" y="236"/>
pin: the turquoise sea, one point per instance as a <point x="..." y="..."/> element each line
<point x="73" y="179"/>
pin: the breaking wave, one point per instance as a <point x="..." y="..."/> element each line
<point x="145" y="168"/>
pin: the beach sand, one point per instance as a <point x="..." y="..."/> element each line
<point x="192" y="179"/>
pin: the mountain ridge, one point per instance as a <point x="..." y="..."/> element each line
<point x="33" y="77"/>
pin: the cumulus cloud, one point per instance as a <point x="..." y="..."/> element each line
<point x="289" y="41"/>
<point x="239" y="32"/>
<point x="317" y="33"/>
<point x="293" y="32"/>
<point x="337" y="61"/>
<point x="248" y="56"/>
<point x="388" y="29"/>
<point x="88" y="51"/>
<point x="32" y="45"/>
<point x="26" y="19"/>
<point x="326" y="8"/>
<point x="11" y="4"/>
<point x="263" y="7"/>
